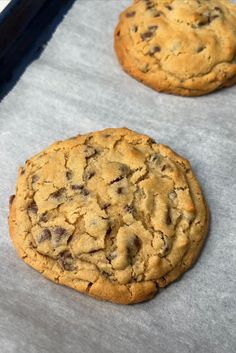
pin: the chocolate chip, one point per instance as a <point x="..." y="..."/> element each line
<point x="32" y="245"/>
<point x="153" y="28"/>
<point x="105" y="274"/>
<point x="118" y="33"/>
<point x="66" y="261"/>
<point x="77" y="187"/>
<point x="45" y="235"/>
<point x="59" y="231"/>
<point x="58" y="194"/>
<point x="11" y="199"/>
<point x="69" y="174"/>
<point x="137" y="242"/>
<point x="146" y="35"/>
<point x="88" y="174"/>
<point x="123" y="169"/>
<point x="130" y="14"/>
<point x="106" y="135"/>
<point x="157" y="14"/>
<point x="22" y="171"/>
<point x="43" y="218"/>
<point x="217" y="8"/>
<point x="134" y="28"/>
<point x="200" y="49"/>
<point x="168" y="218"/>
<point x="133" y="247"/>
<point x="84" y="192"/>
<point x="35" y="178"/>
<point x="81" y="188"/>
<point x="119" y="190"/>
<point x="105" y="206"/>
<point x="66" y="254"/>
<point x="149" y="7"/>
<point x="32" y="208"/>
<point x="168" y="7"/>
<point x="109" y="229"/>
<point x="155" y="49"/>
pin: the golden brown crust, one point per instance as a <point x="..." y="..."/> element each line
<point x="184" y="48"/>
<point x="146" y="226"/>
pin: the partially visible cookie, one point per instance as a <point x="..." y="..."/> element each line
<point x="180" y="47"/>
<point x="111" y="214"/>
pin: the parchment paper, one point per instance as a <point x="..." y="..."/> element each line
<point x="77" y="86"/>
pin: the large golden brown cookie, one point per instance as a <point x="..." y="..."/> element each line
<point x="185" y="47"/>
<point x="112" y="214"/>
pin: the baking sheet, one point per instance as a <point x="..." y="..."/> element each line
<point x="77" y="86"/>
<point x="3" y="4"/>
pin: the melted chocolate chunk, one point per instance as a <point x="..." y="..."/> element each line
<point x="35" y="178"/>
<point x="32" y="208"/>
<point x="130" y="14"/>
<point x="84" y="192"/>
<point x="200" y="49"/>
<point x="66" y="254"/>
<point x="133" y="248"/>
<point x="69" y="174"/>
<point x="157" y="14"/>
<point x="11" y="199"/>
<point x="77" y="187"/>
<point x="217" y="8"/>
<point x="168" y="218"/>
<point x="153" y="28"/>
<point x="109" y="229"/>
<point x="134" y="28"/>
<point x="168" y="7"/>
<point x="155" y="49"/>
<point x="119" y="190"/>
<point x="146" y="35"/>
<point x="43" y="218"/>
<point x="60" y="231"/>
<point x="58" y="194"/>
<point x="45" y="235"/>
<point x="66" y="261"/>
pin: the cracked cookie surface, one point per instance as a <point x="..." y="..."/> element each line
<point x="111" y="213"/>
<point x="180" y="47"/>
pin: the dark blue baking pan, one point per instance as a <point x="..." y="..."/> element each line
<point x="25" y="26"/>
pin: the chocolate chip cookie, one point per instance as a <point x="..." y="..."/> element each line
<point x="180" y="47"/>
<point x="111" y="214"/>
